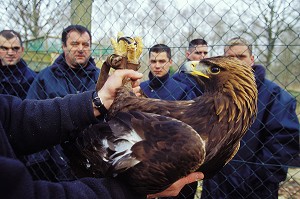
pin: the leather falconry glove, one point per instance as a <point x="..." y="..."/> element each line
<point x="127" y="51"/>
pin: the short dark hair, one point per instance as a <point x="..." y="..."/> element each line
<point x="9" y="34"/>
<point x="77" y="28"/>
<point x="159" y="48"/>
<point x="196" y="42"/>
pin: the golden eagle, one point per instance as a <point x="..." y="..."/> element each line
<point x="151" y="143"/>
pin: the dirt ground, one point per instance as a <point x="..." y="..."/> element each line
<point x="290" y="189"/>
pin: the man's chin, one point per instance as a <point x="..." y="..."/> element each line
<point x="80" y="64"/>
<point x="9" y="63"/>
<point x="81" y="61"/>
<point x="158" y="74"/>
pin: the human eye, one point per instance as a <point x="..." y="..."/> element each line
<point x="241" y="57"/>
<point x="74" y="43"/>
<point x="201" y="52"/>
<point x="16" y="49"/>
<point x="3" y="48"/>
<point x="86" y="44"/>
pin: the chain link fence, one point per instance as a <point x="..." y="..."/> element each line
<point x="272" y="27"/>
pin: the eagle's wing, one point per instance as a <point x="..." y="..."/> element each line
<point x="150" y="151"/>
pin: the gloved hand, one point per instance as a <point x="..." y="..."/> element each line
<point x="119" y="46"/>
<point x="129" y="49"/>
<point x="134" y="50"/>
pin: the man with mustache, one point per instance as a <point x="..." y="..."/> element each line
<point x="74" y="71"/>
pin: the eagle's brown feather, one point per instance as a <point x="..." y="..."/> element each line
<point x="168" y="145"/>
<point x="221" y="115"/>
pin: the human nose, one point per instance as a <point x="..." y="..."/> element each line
<point x="80" y="47"/>
<point x="10" y="51"/>
<point x="202" y="54"/>
<point x="157" y="65"/>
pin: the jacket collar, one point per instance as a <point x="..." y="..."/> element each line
<point x="260" y="74"/>
<point x="13" y="72"/>
<point x="156" y="82"/>
<point x="60" y="66"/>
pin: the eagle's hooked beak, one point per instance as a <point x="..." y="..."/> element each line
<point x="194" y="68"/>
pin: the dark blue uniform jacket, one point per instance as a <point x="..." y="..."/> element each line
<point x="59" y="80"/>
<point x="190" y="82"/>
<point x="166" y="88"/>
<point x="29" y="126"/>
<point x="16" y="79"/>
<point x="268" y="148"/>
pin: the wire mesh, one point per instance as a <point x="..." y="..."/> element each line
<point x="272" y="27"/>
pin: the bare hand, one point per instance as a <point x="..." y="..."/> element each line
<point x="137" y="91"/>
<point x="108" y="92"/>
<point x="175" y="188"/>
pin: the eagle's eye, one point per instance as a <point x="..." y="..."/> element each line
<point x="215" y="70"/>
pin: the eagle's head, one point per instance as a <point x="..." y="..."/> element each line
<point x="226" y="79"/>
<point x="219" y="73"/>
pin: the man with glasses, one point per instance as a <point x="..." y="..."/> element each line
<point x="15" y="75"/>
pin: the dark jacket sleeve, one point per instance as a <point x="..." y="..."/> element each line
<point x="278" y="137"/>
<point x="281" y="136"/>
<point x="19" y="184"/>
<point x="33" y="125"/>
<point x="188" y="94"/>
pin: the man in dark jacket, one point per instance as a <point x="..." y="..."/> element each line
<point x="160" y="85"/>
<point x="269" y="146"/>
<point x="15" y="75"/>
<point x="74" y="71"/>
<point x="197" y="51"/>
<point x="29" y="126"/>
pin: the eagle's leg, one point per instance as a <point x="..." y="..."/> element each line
<point x="113" y="61"/>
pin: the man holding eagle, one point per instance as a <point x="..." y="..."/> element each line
<point x="149" y="144"/>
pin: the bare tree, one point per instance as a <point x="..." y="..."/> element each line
<point x="285" y="70"/>
<point x="36" y="18"/>
<point x="272" y="20"/>
<point x="81" y="12"/>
